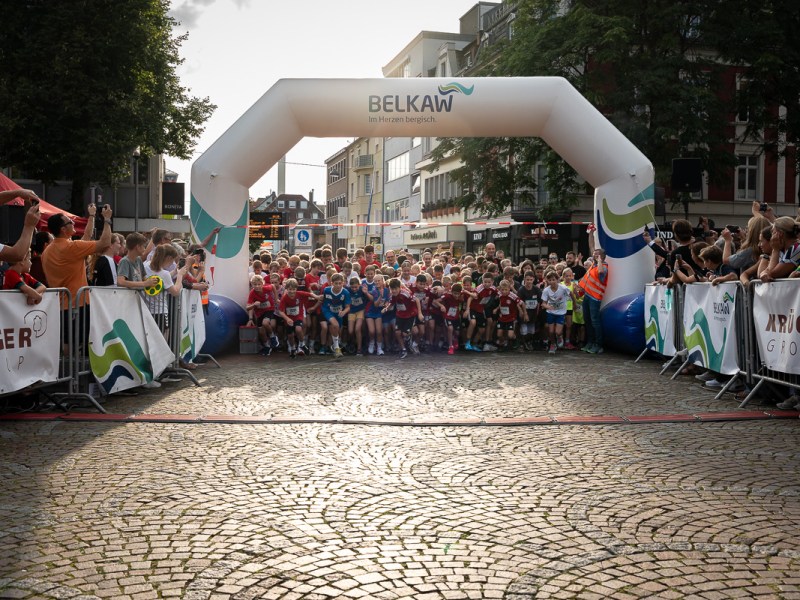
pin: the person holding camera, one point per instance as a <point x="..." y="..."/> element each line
<point x="749" y="251"/>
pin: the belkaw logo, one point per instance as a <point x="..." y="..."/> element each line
<point x="417" y="103"/>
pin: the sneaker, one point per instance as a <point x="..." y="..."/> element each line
<point x="265" y="351"/>
<point x="302" y="351"/>
<point x="707" y="376"/>
<point x="487" y="347"/>
<point x="455" y="345"/>
<point x="150" y="385"/>
<point x="323" y="351"/>
<point x="560" y="343"/>
<point x="169" y="379"/>
<point x="451" y="350"/>
<point x="359" y="353"/>
<point x="292" y="353"/>
<point x="403" y="353"/>
<point x="468" y="346"/>
<point x="592" y="349"/>
<point x="570" y="346"/>
<point x="274" y="341"/>
<point x="552" y="349"/>
<point x="587" y="348"/>
<point x="415" y="349"/>
<point x="713" y="384"/>
<point x="337" y="352"/>
<point x="371" y="349"/>
<point x="791" y="403"/>
<point x="379" y="352"/>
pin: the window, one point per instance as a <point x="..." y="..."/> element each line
<point x="367" y="184"/>
<point x="416" y="142"/>
<point x="397" y="167"/>
<point x="747" y="178"/>
<point x="280" y="204"/>
<point x="542" y="195"/>
<point x="303" y="204"/>
<point x="292" y="204"/>
<point x="397" y="211"/>
<point x="742" y="105"/>
<point x="301" y="215"/>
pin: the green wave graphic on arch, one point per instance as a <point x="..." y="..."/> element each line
<point x="231" y="239"/>
<point x="627" y="223"/>
<point x="456" y="88"/>
<point x="699" y="336"/>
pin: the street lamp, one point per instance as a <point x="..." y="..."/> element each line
<point x="137" y="152"/>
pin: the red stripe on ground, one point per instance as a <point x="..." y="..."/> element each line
<point x="743" y="415"/>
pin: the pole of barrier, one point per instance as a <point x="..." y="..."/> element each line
<point x="740" y="324"/>
<point x="680" y="345"/>
<point x="171" y="305"/>
<point x="646" y="349"/>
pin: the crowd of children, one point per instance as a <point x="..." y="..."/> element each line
<point x="334" y="304"/>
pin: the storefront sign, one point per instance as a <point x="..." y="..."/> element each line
<point x="500" y="234"/>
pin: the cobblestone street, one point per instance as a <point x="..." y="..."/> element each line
<point x="212" y="510"/>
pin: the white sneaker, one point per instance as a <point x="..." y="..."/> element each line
<point x="379" y="351"/>
<point x="791" y="403"/>
<point x="371" y="348"/>
<point x="560" y="343"/>
<point x="151" y="385"/>
<point x="714" y="384"/>
<point x="415" y="348"/>
<point x="707" y="376"/>
<point x="487" y="347"/>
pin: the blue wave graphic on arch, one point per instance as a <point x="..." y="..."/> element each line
<point x="452" y="88"/>
<point x="648" y="193"/>
<point x="232" y="237"/>
<point x="618" y="248"/>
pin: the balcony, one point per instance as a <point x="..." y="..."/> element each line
<point x="365" y="161"/>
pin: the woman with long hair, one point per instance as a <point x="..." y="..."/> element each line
<point x="785" y="256"/>
<point x="749" y="252"/>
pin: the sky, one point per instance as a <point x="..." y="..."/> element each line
<point x="238" y="49"/>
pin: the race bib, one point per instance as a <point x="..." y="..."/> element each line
<point x="504" y="310"/>
<point x="401" y="307"/>
<point x="531" y="303"/>
<point x="485" y="299"/>
<point x="293" y="311"/>
<point x="263" y="305"/>
<point x="452" y="311"/>
<point x="335" y="308"/>
<point x="357" y="301"/>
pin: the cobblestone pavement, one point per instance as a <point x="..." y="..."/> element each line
<point x="239" y="511"/>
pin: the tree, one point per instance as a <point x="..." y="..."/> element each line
<point x="83" y="83"/>
<point x="643" y="65"/>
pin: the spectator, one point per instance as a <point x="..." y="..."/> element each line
<point x="102" y="267"/>
<point x="749" y="252"/>
<point x="594" y="286"/>
<point x="785" y="256"/>
<point x="18" y="277"/>
<point x="19" y="250"/>
<point x="41" y="240"/>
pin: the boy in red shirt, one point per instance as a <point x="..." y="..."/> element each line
<point x="509" y="307"/>
<point x="478" y="316"/>
<point x="449" y="303"/>
<point x="292" y="309"/>
<point x="425" y="328"/>
<point x="18" y="277"/>
<point x="261" y="305"/>
<point x="408" y="310"/>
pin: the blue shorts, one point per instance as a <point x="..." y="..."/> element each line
<point x="555" y="319"/>
<point x="327" y="315"/>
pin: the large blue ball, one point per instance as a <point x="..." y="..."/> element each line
<point x="623" y="324"/>
<point x="222" y="324"/>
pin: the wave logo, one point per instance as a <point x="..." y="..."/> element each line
<point x="728" y="298"/>
<point x="652" y="332"/>
<point x="231" y="238"/>
<point x="456" y="88"/>
<point x="121" y="357"/>
<point x="698" y="339"/>
<point x="621" y="233"/>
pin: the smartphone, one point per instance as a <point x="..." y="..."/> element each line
<point x="763" y="207"/>
<point x="181" y="263"/>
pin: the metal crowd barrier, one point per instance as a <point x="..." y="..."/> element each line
<point x="756" y="364"/>
<point x="66" y="367"/>
<point x="752" y="368"/>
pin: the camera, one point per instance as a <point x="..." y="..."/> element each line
<point x="762" y="207"/>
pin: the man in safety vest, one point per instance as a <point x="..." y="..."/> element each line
<point x="594" y="285"/>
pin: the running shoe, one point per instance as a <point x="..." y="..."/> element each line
<point x="560" y="343"/>
<point x="403" y="353"/>
<point x="337" y="352"/>
<point x="151" y="385"/>
<point x="487" y="347"/>
<point x="302" y="351"/>
<point x="274" y="341"/>
<point x="570" y="346"/>
<point x="451" y="350"/>
<point x="552" y="349"/>
<point x="359" y="353"/>
<point x="379" y="351"/>
<point x="415" y="348"/>
<point x="265" y="350"/>
<point x="292" y="353"/>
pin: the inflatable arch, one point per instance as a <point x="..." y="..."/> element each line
<point x="545" y="107"/>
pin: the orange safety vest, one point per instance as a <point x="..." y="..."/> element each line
<point x="592" y="285"/>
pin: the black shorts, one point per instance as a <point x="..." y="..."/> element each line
<point x="455" y="324"/>
<point x="480" y="318"/>
<point x="505" y="325"/>
<point x="269" y="316"/>
<point x="406" y="324"/>
<point x="438" y="318"/>
<point x="298" y="323"/>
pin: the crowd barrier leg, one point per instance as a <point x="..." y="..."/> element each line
<point x="173" y="310"/>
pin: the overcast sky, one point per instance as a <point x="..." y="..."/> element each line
<point x="238" y="49"/>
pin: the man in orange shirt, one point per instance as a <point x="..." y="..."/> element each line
<point x="64" y="260"/>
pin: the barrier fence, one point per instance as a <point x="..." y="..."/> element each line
<point x="745" y="334"/>
<point x="102" y="341"/>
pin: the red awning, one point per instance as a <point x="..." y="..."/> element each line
<point x="46" y="209"/>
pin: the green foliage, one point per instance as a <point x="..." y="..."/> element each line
<point x="82" y="83"/>
<point x="644" y="65"/>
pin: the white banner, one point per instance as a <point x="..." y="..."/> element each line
<point x="659" y="319"/>
<point x="126" y="347"/>
<point x="193" y="324"/>
<point x="30" y="340"/>
<point x="709" y="327"/>
<point x="776" y="311"/>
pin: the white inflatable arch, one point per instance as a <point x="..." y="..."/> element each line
<point x="546" y="107"/>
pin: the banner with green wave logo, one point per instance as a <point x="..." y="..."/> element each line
<point x="659" y="319"/>
<point x="126" y="347"/>
<point x="709" y="326"/>
<point x="193" y="324"/>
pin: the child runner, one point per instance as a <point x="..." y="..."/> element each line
<point x="424" y="329"/>
<point x="509" y="308"/>
<point x="408" y="311"/>
<point x="485" y="294"/>
<point x="291" y="310"/>
<point x="569" y="283"/>
<point x="448" y="303"/>
<point x="261" y="305"/>
<point x="359" y="298"/>
<point x="554" y="299"/>
<point x="531" y="296"/>
<point x="335" y="306"/>
<point x="380" y="296"/>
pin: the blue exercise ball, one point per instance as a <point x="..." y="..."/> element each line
<point x="623" y="324"/>
<point x="222" y="324"/>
